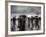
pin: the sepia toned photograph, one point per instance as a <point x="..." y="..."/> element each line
<point x="25" y="18"/>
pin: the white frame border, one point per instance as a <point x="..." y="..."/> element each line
<point x="24" y="32"/>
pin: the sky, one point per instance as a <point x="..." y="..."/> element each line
<point x="26" y="10"/>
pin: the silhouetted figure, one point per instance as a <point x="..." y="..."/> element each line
<point x="11" y="25"/>
<point x="22" y="21"/>
<point x="14" y="19"/>
<point x="29" y="19"/>
<point x="37" y="21"/>
<point x="32" y="18"/>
